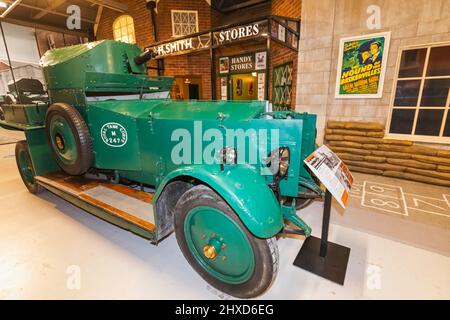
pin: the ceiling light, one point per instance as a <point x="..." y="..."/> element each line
<point x="3" y="4"/>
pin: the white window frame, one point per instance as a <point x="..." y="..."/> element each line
<point x="183" y="11"/>
<point x="419" y="138"/>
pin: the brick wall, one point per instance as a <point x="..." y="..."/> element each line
<point x="287" y="8"/>
<point x="199" y="65"/>
<point x="185" y="65"/>
<point x="142" y="22"/>
<point x="165" y="16"/>
<point x="191" y="64"/>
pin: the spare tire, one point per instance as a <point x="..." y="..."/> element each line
<point x="69" y="139"/>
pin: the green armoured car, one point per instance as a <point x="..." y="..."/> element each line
<point x="226" y="176"/>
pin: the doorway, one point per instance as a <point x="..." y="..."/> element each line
<point x="187" y="88"/>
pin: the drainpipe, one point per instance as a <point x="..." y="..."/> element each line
<point x="151" y="6"/>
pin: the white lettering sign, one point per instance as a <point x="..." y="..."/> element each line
<point x="174" y="47"/>
<point x="239" y="33"/>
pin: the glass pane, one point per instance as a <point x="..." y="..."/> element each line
<point x="435" y="93"/>
<point x="447" y="126"/>
<point x="439" y="64"/>
<point x="429" y="122"/>
<point x="412" y="63"/>
<point x="402" y="121"/>
<point x="407" y="93"/>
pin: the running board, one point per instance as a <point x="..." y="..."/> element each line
<point x="123" y="206"/>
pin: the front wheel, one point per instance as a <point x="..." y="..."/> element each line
<point x="220" y="248"/>
<point x="26" y="168"/>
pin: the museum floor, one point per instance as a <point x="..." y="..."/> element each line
<point x="398" y="232"/>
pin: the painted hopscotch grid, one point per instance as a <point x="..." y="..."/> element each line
<point x="384" y="197"/>
<point x="392" y="198"/>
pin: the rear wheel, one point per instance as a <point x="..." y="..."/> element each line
<point x="26" y="168"/>
<point x="69" y="138"/>
<point x="220" y="248"/>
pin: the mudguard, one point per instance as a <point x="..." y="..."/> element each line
<point x="244" y="189"/>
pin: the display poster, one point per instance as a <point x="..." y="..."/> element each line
<point x="281" y="33"/>
<point x="224" y="65"/>
<point x="223" y="88"/>
<point x="332" y="172"/>
<point x="261" y="58"/>
<point x="261" y="86"/>
<point x="362" y="65"/>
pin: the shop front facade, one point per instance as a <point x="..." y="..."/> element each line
<point x="213" y="53"/>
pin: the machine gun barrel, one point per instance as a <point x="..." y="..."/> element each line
<point x="144" y="57"/>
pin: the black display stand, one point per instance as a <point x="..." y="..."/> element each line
<point x="326" y="259"/>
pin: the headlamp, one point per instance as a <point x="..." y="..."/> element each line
<point x="279" y="160"/>
<point x="228" y="155"/>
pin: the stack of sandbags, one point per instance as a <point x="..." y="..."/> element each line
<point x="363" y="149"/>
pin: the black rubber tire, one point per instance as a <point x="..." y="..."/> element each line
<point x="81" y="132"/>
<point x="266" y="250"/>
<point x="301" y="203"/>
<point x="34" y="187"/>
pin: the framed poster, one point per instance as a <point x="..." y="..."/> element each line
<point x="281" y="33"/>
<point x="224" y="88"/>
<point x="260" y="58"/>
<point x="224" y="65"/>
<point x="261" y="86"/>
<point x="361" y="66"/>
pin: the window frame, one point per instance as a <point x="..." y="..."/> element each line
<point x="183" y="11"/>
<point x="116" y="21"/>
<point x="291" y="86"/>
<point x="418" y="138"/>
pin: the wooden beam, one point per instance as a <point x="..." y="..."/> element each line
<point x="53" y="12"/>
<point x="10" y="8"/>
<point x="97" y="19"/>
<point x="46" y="27"/>
<point x="53" y="5"/>
<point x="111" y="4"/>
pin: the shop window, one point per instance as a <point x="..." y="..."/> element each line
<point x="184" y="22"/>
<point x="282" y="87"/>
<point x="123" y="28"/>
<point x="420" y="105"/>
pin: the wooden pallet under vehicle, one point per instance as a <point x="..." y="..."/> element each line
<point x="124" y="206"/>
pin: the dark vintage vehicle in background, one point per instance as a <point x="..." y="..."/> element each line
<point x="104" y="142"/>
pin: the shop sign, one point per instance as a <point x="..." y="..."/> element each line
<point x="362" y="65"/>
<point x="233" y="34"/>
<point x="243" y="63"/>
<point x="182" y="46"/>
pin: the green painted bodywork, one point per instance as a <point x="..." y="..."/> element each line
<point x="76" y="73"/>
<point x="26" y="114"/>
<point x="105" y="70"/>
<point x="243" y="188"/>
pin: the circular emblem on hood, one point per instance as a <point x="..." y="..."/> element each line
<point x="114" y="134"/>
